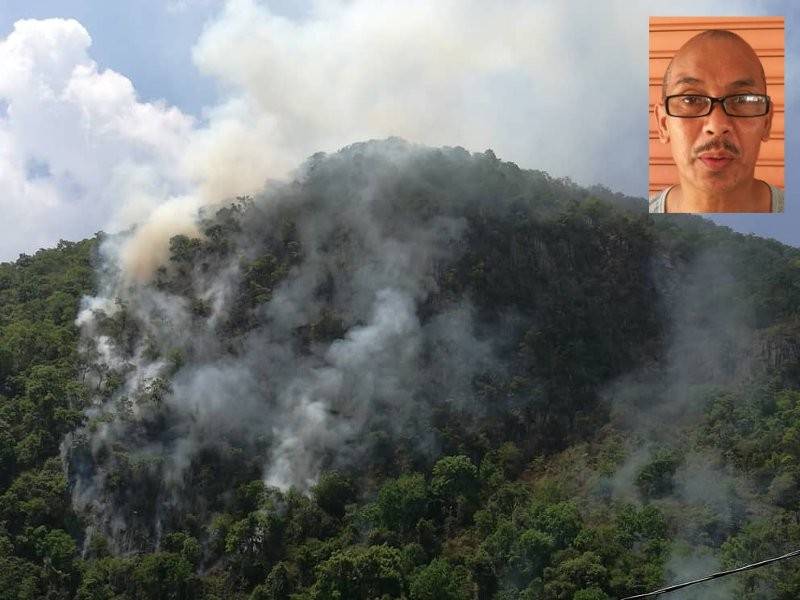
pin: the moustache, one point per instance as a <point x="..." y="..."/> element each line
<point x="716" y="144"/>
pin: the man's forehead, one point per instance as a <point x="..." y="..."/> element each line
<point x="710" y="57"/>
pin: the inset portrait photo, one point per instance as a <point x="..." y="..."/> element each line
<point x="716" y="114"/>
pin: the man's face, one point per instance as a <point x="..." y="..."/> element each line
<point x="717" y="152"/>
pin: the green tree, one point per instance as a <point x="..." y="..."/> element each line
<point x="333" y="493"/>
<point x="530" y="553"/>
<point x="455" y="477"/>
<point x="442" y="581"/>
<point x="654" y="480"/>
<point x="561" y="521"/>
<point x="361" y="573"/>
<point x="277" y="586"/>
<point x="185" y="545"/>
<point x="402" y="502"/>
<point x="163" y="576"/>
<point x="108" y="578"/>
<point x="455" y="483"/>
<point x="573" y="574"/>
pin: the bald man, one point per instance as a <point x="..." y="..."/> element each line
<point x="714" y="114"/>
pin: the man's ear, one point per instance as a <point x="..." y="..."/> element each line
<point x="661" y="123"/>
<point x="768" y="123"/>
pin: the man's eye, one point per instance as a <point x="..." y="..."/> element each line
<point x="692" y="100"/>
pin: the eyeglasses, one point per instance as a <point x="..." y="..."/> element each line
<point x="737" y="105"/>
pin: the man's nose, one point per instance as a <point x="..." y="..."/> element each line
<point x="717" y="121"/>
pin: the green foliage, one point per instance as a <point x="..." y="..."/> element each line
<point x="759" y="433"/>
<point x="591" y="594"/>
<point x="402" y="502"/>
<point x="160" y="575"/>
<point x="530" y="553"/>
<point x="41" y="398"/>
<point x="163" y="575"/>
<point x="573" y="575"/>
<point x="183" y="249"/>
<point x="654" y="480"/>
<point x="361" y="573"/>
<point x="333" y="492"/>
<point x="760" y="539"/>
<point x="442" y="581"/>
<point x="261" y="275"/>
<point x="184" y="545"/>
<point x="56" y="547"/>
<point x="454" y="477"/>
<point x="36" y="497"/>
<point x="561" y="521"/>
<point x="636" y="525"/>
<point x="252" y="543"/>
<point x="455" y="484"/>
<point x="20" y="579"/>
<point x="277" y="585"/>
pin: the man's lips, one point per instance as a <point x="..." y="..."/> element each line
<point x="716" y="160"/>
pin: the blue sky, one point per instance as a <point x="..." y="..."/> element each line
<point x="136" y="112"/>
<point x="142" y="40"/>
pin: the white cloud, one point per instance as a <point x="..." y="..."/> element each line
<point x="89" y="136"/>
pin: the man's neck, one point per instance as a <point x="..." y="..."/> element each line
<point x="752" y="196"/>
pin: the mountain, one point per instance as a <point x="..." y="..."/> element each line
<point x="408" y="372"/>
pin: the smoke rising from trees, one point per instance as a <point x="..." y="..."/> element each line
<point x="309" y="330"/>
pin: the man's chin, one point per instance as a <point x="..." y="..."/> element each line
<point x="718" y="183"/>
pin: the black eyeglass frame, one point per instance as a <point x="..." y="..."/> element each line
<point x="721" y="100"/>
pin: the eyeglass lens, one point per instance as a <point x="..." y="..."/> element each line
<point x="742" y="105"/>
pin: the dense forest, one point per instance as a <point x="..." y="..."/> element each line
<point x="408" y="373"/>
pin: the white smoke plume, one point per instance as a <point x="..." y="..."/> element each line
<point x="175" y="375"/>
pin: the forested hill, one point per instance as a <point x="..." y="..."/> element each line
<point x="410" y="373"/>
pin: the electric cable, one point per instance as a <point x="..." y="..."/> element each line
<point x="678" y="586"/>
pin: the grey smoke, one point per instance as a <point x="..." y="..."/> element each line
<point x="710" y="345"/>
<point x="188" y="384"/>
<point x="688" y="564"/>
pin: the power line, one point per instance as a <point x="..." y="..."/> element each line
<point x="678" y="586"/>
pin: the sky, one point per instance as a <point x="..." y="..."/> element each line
<point x="114" y="114"/>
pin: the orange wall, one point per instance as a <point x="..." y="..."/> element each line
<point x="765" y="35"/>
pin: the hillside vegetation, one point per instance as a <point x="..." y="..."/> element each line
<point x="409" y="373"/>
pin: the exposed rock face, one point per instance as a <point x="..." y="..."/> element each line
<point x="778" y="347"/>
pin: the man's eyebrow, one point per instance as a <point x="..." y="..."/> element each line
<point x="742" y="83"/>
<point x="686" y="79"/>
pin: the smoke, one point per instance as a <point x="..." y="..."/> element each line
<point x="288" y="348"/>
<point x="708" y="343"/>
<point x="446" y="73"/>
<point x="710" y="347"/>
<point x="371" y="361"/>
<point x="139" y="255"/>
<point x="688" y="564"/>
